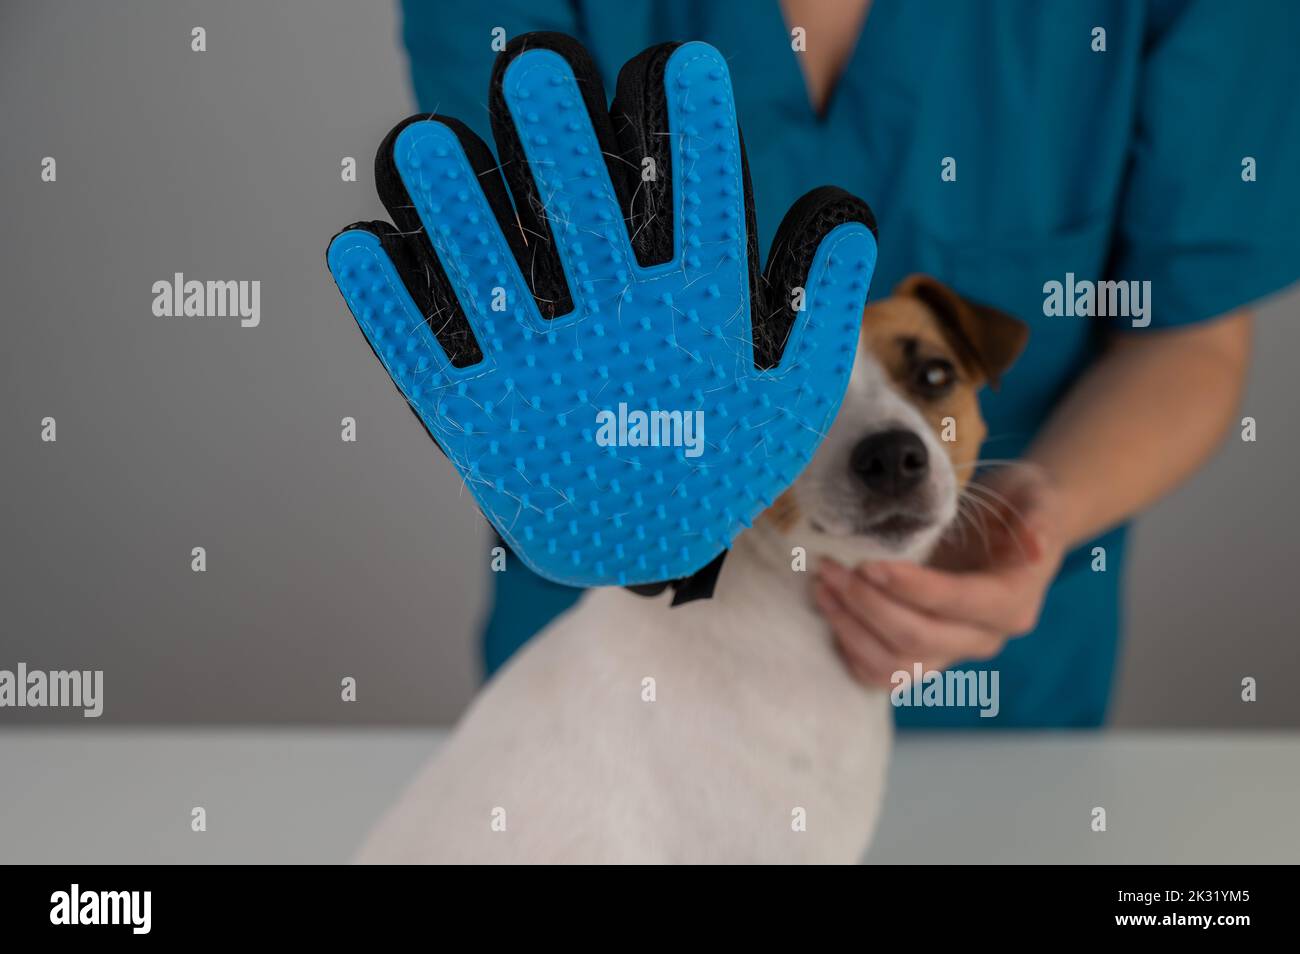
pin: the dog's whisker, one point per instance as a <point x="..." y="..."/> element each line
<point x="991" y="494"/>
<point x="964" y="518"/>
<point x="976" y="507"/>
<point x="1003" y="509"/>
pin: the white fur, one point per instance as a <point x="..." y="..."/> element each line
<point x="754" y="718"/>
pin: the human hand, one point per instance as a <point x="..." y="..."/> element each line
<point x="984" y="585"/>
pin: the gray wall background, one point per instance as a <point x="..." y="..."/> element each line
<point x="328" y="559"/>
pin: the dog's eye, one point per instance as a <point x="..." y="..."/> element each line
<point x="935" y="377"/>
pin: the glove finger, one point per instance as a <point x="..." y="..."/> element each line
<point x="818" y="271"/>
<point x="709" y="221"/>
<point x="440" y="184"/>
<point x="556" y="144"/>
<point x="640" y="115"/>
<point x="397" y="316"/>
<point x="689" y="204"/>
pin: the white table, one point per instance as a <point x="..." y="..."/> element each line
<point x="274" y="795"/>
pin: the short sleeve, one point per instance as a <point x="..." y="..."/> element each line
<point x="1210" y="208"/>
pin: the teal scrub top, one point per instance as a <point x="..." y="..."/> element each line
<point x="1125" y="163"/>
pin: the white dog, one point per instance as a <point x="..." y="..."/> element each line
<point x="726" y="729"/>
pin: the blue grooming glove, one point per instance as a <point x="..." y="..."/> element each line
<point x="596" y="351"/>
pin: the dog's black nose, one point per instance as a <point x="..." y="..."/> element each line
<point x="891" y="463"/>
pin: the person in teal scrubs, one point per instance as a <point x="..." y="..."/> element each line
<point x="1002" y="146"/>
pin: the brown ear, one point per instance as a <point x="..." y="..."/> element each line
<point x="988" y="340"/>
